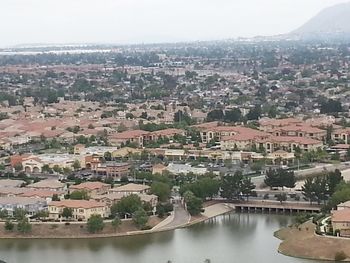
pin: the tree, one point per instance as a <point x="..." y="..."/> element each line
<point x="308" y="190"/>
<point x="19" y="214"/>
<point x="202" y="188"/>
<point x="126" y="206"/>
<point x="41" y="214"/>
<point x="55" y="197"/>
<point x="18" y="167"/>
<point x="281" y="197"/>
<point x="280" y="178"/>
<point x="231" y="186"/>
<point x="116" y="222"/>
<point x="79" y="195"/>
<point x="255" y="113"/>
<point x="46" y="169"/>
<point x="215" y="115"/>
<point x="95" y="223"/>
<point x="234" y="115"/>
<point x="247" y="187"/>
<point x="140" y="217"/>
<point x="3" y="214"/>
<point x="24" y="226"/>
<point x="341" y="194"/>
<point x="107" y="156"/>
<point x="182" y="117"/>
<point x="9" y="226"/>
<point x="162" y="190"/>
<point x="334" y="179"/>
<point x="57" y="169"/>
<point x="331" y="106"/>
<point x="67" y="212"/>
<point x="194" y="204"/>
<point x="76" y="165"/>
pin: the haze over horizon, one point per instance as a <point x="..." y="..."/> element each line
<point x="147" y="21"/>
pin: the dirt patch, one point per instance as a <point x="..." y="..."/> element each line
<point x="302" y="242"/>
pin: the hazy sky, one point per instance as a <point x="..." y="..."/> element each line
<point x="137" y="21"/>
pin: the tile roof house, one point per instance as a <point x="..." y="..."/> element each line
<point x="81" y="209"/>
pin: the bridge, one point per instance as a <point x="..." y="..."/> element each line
<point x="276" y="207"/>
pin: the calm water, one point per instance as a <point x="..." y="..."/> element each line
<point x="226" y="239"/>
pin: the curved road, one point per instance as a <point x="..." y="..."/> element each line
<point x="181" y="217"/>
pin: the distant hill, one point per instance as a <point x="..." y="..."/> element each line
<point x="333" y="21"/>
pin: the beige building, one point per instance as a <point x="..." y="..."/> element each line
<point x="92" y="188"/>
<point x="48" y="184"/>
<point x="131" y="189"/>
<point x="82" y="209"/>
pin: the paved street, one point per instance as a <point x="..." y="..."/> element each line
<point x="181" y="217"/>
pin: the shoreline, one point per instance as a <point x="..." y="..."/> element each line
<point x="302" y="242"/>
<point x="201" y="218"/>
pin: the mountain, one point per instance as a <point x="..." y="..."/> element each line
<point x="331" y="22"/>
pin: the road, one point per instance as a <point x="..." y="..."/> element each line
<point x="181" y="217"/>
<point x="319" y="168"/>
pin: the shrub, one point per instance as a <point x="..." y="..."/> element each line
<point x="340" y="256"/>
<point x="24" y="226"/>
<point x="9" y="225"/>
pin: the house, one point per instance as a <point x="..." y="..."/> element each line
<point x="13" y="191"/>
<point x="133" y="136"/>
<point x="48" y="184"/>
<point x="341" y="220"/>
<point x="110" y="199"/>
<point x="131" y="188"/>
<point x="44" y="194"/>
<point x="11" y="183"/>
<point x="158" y="168"/>
<point x="81" y="209"/>
<point x="92" y="188"/>
<point x="341" y="135"/>
<point x="31" y="205"/>
<point x="112" y="169"/>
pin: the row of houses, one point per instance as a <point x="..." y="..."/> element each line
<point x="38" y="197"/>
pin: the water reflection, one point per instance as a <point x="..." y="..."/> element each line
<point x="231" y="238"/>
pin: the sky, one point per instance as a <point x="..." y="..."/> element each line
<point x="149" y="21"/>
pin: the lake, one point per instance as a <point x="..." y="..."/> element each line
<point x="230" y="238"/>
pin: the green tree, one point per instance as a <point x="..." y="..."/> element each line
<point x="231" y="186"/>
<point x="76" y="165"/>
<point x="79" y="195"/>
<point x="116" y="222"/>
<point x="107" y="156"/>
<point x="126" y="206"/>
<point x="194" y="204"/>
<point x="95" y="224"/>
<point x="9" y="226"/>
<point x="24" y="226"/>
<point x="334" y="179"/>
<point x="215" y="115"/>
<point x="281" y="197"/>
<point x="55" y="197"/>
<point x="162" y="190"/>
<point x="247" y="187"/>
<point x="19" y="214"/>
<point x="67" y="212"/>
<point x="140" y="218"/>
<point x="308" y="190"/>
<point x="3" y="214"/>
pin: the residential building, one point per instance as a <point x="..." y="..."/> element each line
<point x="81" y="209"/>
<point x="131" y="188"/>
<point x="92" y="188"/>
<point x="30" y="205"/>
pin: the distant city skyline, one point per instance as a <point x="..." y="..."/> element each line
<point x="149" y="21"/>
